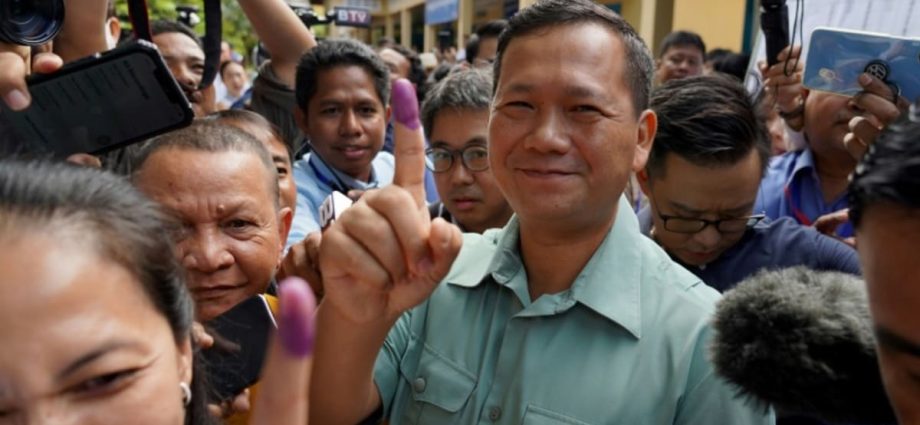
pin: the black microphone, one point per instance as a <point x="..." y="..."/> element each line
<point x="802" y="341"/>
<point x="774" y="21"/>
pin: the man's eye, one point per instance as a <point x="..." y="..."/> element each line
<point x="586" y="108"/>
<point x="329" y="111"/>
<point x="282" y="171"/>
<point x="238" y="224"/>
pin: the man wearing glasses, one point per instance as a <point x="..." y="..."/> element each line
<point x="455" y="116"/>
<point x="702" y="178"/>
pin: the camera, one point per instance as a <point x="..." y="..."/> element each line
<point x="30" y="22"/>
<point x="309" y="17"/>
<point x="188" y="15"/>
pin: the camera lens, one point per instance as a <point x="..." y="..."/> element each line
<point x="30" y="22"/>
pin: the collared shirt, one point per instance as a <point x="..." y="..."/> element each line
<point x="771" y="245"/>
<point x="626" y="344"/>
<point x="792" y="188"/>
<point x="316" y="180"/>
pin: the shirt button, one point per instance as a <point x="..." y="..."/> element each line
<point x="419" y="385"/>
<point x="495" y="413"/>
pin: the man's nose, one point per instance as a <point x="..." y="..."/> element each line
<point x="709" y="237"/>
<point x="348" y="126"/>
<point x="459" y="174"/>
<point x="205" y="252"/>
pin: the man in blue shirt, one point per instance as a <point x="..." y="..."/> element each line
<point x="701" y="180"/>
<point x="342" y="92"/>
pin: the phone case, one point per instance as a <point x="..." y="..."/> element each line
<point x="101" y="103"/>
<point x="836" y="58"/>
<point x="241" y="342"/>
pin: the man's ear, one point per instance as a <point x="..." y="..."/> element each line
<point x="285" y="218"/>
<point x="388" y="113"/>
<point x="300" y="116"/>
<point x="648" y="126"/>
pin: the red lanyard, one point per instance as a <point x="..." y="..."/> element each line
<point x="796" y="212"/>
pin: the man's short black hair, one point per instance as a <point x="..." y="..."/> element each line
<point x="164" y="26"/>
<point x="710" y="121"/>
<point x="110" y="9"/>
<point x="682" y="38"/>
<point x="492" y="29"/>
<point x="890" y="173"/>
<point x="734" y="64"/>
<point x="334" y="53"/>
<point x="554" y="13"/>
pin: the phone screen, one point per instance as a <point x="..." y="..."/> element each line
<point x="241" y="342"/>
<point x="102" y="103"/>
<point x="836" y="58"/>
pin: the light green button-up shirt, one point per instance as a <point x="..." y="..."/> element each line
<point x="626" y="344"/>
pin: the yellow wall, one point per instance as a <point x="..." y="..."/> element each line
<point x="719" y="22"/>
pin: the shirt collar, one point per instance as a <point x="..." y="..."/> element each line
<point x="609" y="284"/>
<point x="328" y="173"/>
<point x="804" y="162"/>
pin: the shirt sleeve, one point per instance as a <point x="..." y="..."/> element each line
<point x="711" y="400"/>
<point x="276" y="101"/>
<point x="834" y="255"/>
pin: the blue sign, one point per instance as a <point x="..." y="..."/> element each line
<point x="352" y="17"/>
<point x="441" y="11"/>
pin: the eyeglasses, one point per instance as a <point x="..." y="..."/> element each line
<point x="695" y="225"/>
<point x="474" y="158"/>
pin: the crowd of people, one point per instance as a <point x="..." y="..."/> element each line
<point x="541" y="227"/>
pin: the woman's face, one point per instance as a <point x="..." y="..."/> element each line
<point x="81" y="342"/>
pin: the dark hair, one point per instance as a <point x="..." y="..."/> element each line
<point x="224" y="66"/>
<point x="890" y="172"/>
<point x="472" y="48"/>
<point x="717" y="53"/>
<point x="553" y="13"/>
<point x="709" y="121"/>
<point x="163" y="26"/>
<point x="682" y="38"/>
<point x="468" y="89"/>
<point x="211" y="136"/>
<point x="417" y="74"/>
<point x="252" y="118"/>
<point x="734" y="64"/>
<point x="110" y="9"/>
<point x="105" y="212"/>
<point x="335" y="53"/>
<point x="491" y="29"/>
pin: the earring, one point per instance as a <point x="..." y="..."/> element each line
<point x="186" y="393"/>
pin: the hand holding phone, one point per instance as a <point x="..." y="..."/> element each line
<point x="100" y="103"/>
<point x="837" y="58"/>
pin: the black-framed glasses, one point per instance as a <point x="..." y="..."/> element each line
<point x="474" y="158"/>
<point x="695" y="225"/>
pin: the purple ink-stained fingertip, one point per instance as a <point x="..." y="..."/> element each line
<point x="405" y="104"/>
<point x="296" y="328"/>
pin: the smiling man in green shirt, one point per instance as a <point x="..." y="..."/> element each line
<point x="568" y="315"/>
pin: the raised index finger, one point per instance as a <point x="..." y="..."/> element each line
<point x="409" y="141"/>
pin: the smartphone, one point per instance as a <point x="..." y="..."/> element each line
<point x="101" y="103"/>
<point x="241" y="335"/>
<point x="836" y="58"/>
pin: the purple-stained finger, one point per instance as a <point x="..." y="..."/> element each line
<point x="297" y="328"/>
<point x="405" y="104"/>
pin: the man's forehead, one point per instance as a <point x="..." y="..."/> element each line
<point x="178" y="44"/>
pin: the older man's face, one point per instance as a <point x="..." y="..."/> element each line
<point x="232" y="232"/>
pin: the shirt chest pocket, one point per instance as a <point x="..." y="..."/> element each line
<point x="539" y="416"/>
<point x="440" y="389"/>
